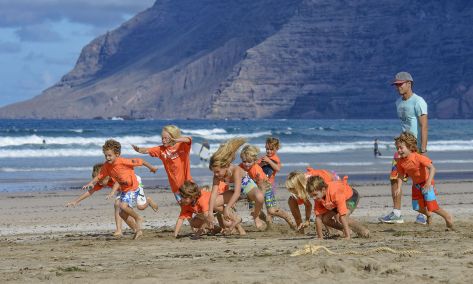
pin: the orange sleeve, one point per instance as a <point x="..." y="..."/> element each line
<point x="185" y="146"/>
<point x="204" y="201"/>
<point x="103" y="172"/>
<point x="400" y="169"/>
<point x="256" y="173"/>
<point x="134" y="162"/>
<point x="424" y="161"/>
<point x="155" y="151"/>
<point x="319" y="208"/>
<point x="186" y="212"/>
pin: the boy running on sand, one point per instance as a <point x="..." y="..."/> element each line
<point x="142" y="202"/>
<point x="249" y="157"/>
<point x="232" y="175"/>
<point x="421" y="170"/>
<point x="175" y="155"/>
<point x="121" y="170"/>
<point x="331" y="199"/>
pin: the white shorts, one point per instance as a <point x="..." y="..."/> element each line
<point x="141" y="199"/>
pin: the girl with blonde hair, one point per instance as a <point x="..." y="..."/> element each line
<point x="175" y="155"/>
<point x="235" y="178"/>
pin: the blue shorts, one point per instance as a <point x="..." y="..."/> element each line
<point x="130" y="197"/>
<point x="269" y="200"/>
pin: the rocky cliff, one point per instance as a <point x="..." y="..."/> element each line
<point x="269" y="58"/>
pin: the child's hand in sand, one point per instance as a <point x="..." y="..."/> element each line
<point x="110" y="195"/>
<point x="71" y="204"/>
<point x="303" y="225"/>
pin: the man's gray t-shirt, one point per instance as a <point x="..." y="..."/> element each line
<point x="408" y="112"/>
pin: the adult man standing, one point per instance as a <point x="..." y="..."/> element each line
<point x="412" y="111"/>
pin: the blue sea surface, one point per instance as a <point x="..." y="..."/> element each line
<point x="37" y="155"/>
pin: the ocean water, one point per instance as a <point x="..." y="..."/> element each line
<point x="37" y="155"/>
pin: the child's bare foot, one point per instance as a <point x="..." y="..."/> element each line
<point x="449" y="223"/>
<point x="152" y="204"/>
<point x="240" y="229"/>
<point x="258" y="223"/>
<point x="138" y="235"/>
<point x="429" y="220"/>
<point x="117" y="234"/>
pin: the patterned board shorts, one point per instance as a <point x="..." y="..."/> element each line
<point x="130" y="197"/>
<point x="424" y="200"/>
<point x="269" y="200"/>
<point x="247" y="185"/>
<point x="141" y="199"/>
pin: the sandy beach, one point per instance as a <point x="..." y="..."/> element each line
<point x="43" y="241"/>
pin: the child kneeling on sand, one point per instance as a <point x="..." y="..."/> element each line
<point x="194" y="208"/>
<point x="421" y="170"/>
<point x="142" y="202"/>
<point x="332" y="198"/>
<point x="121" y="170"/>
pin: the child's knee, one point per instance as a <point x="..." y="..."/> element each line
<point x="141" y="207"/>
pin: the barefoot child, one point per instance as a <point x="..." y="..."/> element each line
<point x="233" y="176"/>
<point x="175" y="155"/>
<point x="296" y="183"/>
<point x="194" y="208"/>
<point x="249" y="157"/>
<point x="121" y="170"/>
<point x="421" y="170"/>
<point x="331" y="199"/>
<point x="142" y="202"/>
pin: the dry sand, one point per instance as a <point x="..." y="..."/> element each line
<point x="42" y="241"/>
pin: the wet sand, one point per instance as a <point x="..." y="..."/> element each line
<point x="42" y="241"/>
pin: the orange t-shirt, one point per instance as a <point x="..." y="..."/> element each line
<point x="324" y="174"/>
<point x="255" y="173"/>
<point x="275" y="158"/>
<point x="201" y="205"/>
<point x="122" y="171"/>
<point x="99" y="186"/>
<point x="176" y="161"/>
<point x="338" y="192"/>
<point x="415" y="166"/>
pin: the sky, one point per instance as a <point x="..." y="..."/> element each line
<point x="40" y="40"/>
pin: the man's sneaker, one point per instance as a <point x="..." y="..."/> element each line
<point x="420" y="219"/>
<point x="391" y="218"/>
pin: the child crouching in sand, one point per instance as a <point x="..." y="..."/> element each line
<point x="194" y="208"/>
<point x="332" y="198"/>
<point x="421" y="170"/>
<point x="235" y="178"/>
<point x="143" y="201"/>
<point x="121" y="170"/>
<point x="296" y="183"/>
<point x="249" y="157"/>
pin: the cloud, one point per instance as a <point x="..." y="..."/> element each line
<point x="9" y="47"/>
<point x="37" y="56"/>
<point x="22" y="13"/>
<point x="38" y="33"/>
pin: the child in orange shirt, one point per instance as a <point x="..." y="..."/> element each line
<point x="249" y="157"/>
<point x="175" y="155"/>
<point x="296" y="183"/>
<point x="421" y="170"/>
<point x="234" y="176"/>
<point x="122" y="172"/>
<point x="142" y="202"/>
<point x="331" y="199"/>
<point x="271" y="163"/>
<point x="194" y="208"/>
